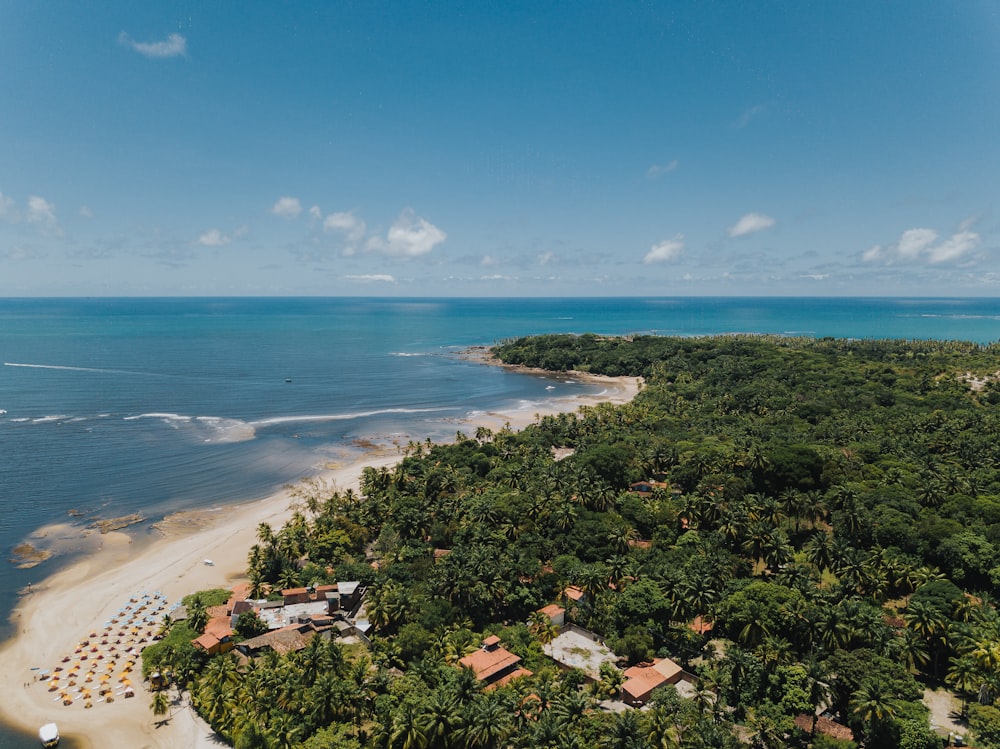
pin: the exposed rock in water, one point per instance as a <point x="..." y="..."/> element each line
<point x="27" y="556"/>
<point x="116" y="524"/>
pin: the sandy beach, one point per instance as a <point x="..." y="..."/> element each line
<point x="58" y="614"/>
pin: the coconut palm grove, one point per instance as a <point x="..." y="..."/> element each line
<point x="808" y="528"/>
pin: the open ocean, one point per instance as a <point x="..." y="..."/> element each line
<point x="115" y="406"/>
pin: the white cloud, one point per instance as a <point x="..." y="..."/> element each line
<point x="665" y="251"/>
<point x="914" y="241"/>
<point x="546" y="257"/>
<point x="287" y="208"/>
<point x="351" y="226"/>
<point x="969" y="222"/>
<point x="41" y="211"/>
<point x="214" y="238"/>
<point x="955" y="247"/>
<point x="918" y="245"/>
<point x="372" y="278"/>
<point x="85" y="212"/>
<point x="315" y="213"/>
<point x="748" y="115"/>
<point x="873" y="254"/>
<point x="658" y="170"/>
<point x="173" y="46"/>
<point x="488" y="260"/>
<point x="751" y="223"/>
<point x="409" y="236"/>
<point x="7" y="208"/>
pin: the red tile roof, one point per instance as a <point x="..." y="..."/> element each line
<point x="824" y="725"/>
<point x="701" y="625"/>
<point x="218" y="627"/>
<point x="489" y="663"/>
<point x="643" y="679"/>
<point x="504" y="680"/>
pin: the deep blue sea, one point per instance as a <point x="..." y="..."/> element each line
<point x="115" y="406"/>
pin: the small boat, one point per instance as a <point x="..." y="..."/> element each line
<point x="49" y="734"/>
<point x="287" y="379"/>
<point x="208" y="563"/>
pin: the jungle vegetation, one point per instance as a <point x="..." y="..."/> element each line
<point x="832" y="505"/>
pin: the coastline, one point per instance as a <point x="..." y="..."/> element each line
<point x="75" y="601"/>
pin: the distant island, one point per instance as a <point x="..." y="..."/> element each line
<point x="779" y="542"/>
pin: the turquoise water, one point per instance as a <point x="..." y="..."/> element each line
<point x="114" y="406"/>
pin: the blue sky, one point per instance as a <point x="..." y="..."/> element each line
<point x="500" y="148"/>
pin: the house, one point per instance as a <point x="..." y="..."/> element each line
<point x="640" y="681"/>
<point x="647" y="487"/>
<point x="288" y="639"/>
<point x="291" y="596"/>
<point x="555" y="613"/>
<point x="574" y="594"/>
<point x="217" y="637"/>
<point x="701" y="625"/>
<point x="825" y="726"/>
<point x="493" y="664"/>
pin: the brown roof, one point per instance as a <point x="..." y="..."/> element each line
<point x="489" y="663"/>
<point x="701" y="625"/>
<point x="214" y="612"/>
<point x="573" y="593"/>
<point x="490" y="641"/>
<point x="294" y="591"/>
<point x="285" y="640"/>
<point x="824" y="725"/>
<point x="643" y="679"/>
<point x="218" y="627"/>
<point x="206" y="641"/>
<point x="240" y="592"/>
<point x="552" y="610"/>
<point x="504" y="680"/>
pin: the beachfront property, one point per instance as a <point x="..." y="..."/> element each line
<point x="218" y="634"/>
<point x="292" y="621"/>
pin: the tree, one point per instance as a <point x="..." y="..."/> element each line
<point x="249" y="624"/>
<point x="160" y="704"/>
<point x="873" y="705"/>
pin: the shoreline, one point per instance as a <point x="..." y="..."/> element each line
<point x="73" y="602"/>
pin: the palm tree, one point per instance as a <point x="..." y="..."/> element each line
<point x="874" y="705"/>
<point x="963" y="675"/>
<point x="324" y="699"/>
<point x="197" y="616"/>
<point x="160" y="704"/>
<point x="625" y="732"/>
<point x="487" y="724"/>
<point x="661" y="730"/>
<point x="541" y="627"/>
<point x="408" y="729"/>
<point x="442" y="719"/>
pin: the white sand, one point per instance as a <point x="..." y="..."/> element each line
<point x="63" y="610"/>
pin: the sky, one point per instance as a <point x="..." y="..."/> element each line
<point x="500" y="148"/>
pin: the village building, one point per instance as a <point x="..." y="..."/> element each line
<point x="555" y="613"/>
<point x="217" y="637"/>
<point x="493" y="664"/>
<point x="825" y="726"/>
<point x="640" y="681"/>
<point x="288" y="639"/>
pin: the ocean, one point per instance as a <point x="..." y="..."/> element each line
<point x="110" y="407"/>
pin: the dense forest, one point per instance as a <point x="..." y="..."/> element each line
<point x="832" y="507"/>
